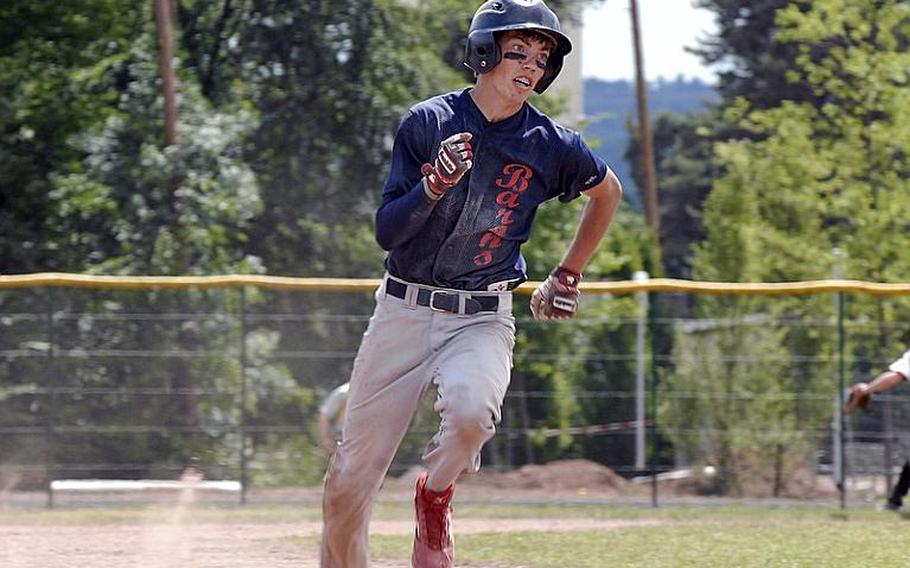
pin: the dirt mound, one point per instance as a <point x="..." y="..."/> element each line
<point x="576" y="476"/>
<point x="756" y="482"/>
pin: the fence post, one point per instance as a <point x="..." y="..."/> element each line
<point x="640" y="332"/>
<point x="842" y="478"/>
<point x="525" y="419"/>
<point x="887" y="441"/>
<point x="655" y="442"/>
<point x="51" y="394"/>
<point x="243" y="405"/>
<point x="509" y="417"/>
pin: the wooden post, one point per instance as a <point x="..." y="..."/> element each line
<point x="644" y="130"/>
<point x="164" y="23"/>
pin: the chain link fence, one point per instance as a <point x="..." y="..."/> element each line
<point x="126" y="379"/>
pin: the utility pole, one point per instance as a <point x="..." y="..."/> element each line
<point x="165" y="24"/>
<point x="644" y="129"/>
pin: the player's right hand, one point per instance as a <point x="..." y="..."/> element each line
<point x="557" y="297"/>
<point x="857" y="397"/>
<point x="454" y="158"/>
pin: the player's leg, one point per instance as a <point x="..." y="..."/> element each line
<point x="473" y="370"/>
<point x="896" y="499"/>
<point x="471" y="377"/>
<point x="389" y="376"/>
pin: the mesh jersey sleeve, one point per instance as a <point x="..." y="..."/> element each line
<point x="902" y="365"/>
<point x="405" y="206"/>
<point x="408" y="154"/>
<point x="580" y="169"/>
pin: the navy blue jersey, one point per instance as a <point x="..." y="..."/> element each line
<point x="470" y="239"/>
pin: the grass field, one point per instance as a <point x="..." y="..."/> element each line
<point x="723" y="537"/>
<point x="545" y="536"/>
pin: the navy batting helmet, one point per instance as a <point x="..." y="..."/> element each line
<point x="482" y="53"/>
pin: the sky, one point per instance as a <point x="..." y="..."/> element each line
<point x="667" y="26"/>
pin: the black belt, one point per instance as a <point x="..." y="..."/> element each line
<point x="443" y="301"/>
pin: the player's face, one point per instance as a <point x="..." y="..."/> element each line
<point x="524" y="60"/>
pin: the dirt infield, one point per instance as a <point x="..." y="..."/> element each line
<point x="174" y="535"/>
<point x="181" y="533"/>
<point x="216" y="545"/>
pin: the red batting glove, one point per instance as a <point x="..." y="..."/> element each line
<point x="557" y="297"/>
<point x="454" y="158"/>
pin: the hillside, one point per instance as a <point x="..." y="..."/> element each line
<point x="610" y="105"/>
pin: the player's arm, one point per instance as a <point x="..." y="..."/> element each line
<point x="860" y="394"/>
<point x="557" y="296"/>
<point x="400" y="217"/>
<point x="405" y="206"/>
<point x="414" y="186"/>
<point x="897" y="373"/>
<point x="603" y="199"/>
<point x="885" y="381"/>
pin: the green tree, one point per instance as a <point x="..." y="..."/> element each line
<point x="685" y="168"/>
<point x="753" y="62"/>
<point x="133" y="207"/>
<point x="750" y="57"/>
<point x="61" y="67"/>
<point x="286" y="112"/>
<point x="830" y="176"/>
<point x="811" y="177"/>
<point x="130" y="206"/>
<point x="733" y="413"/>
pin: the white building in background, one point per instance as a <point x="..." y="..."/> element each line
<point x="569" y="83"/>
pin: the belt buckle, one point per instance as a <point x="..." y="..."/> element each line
<point x="433" y="304"/>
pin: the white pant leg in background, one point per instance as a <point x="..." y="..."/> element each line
<point x="405" y="348"/>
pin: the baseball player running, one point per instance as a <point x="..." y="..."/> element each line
<point x="469" y="170"/>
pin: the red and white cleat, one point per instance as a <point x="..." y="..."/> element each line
<point x="433" y="544"/>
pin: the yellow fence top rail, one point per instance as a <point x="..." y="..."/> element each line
<point x="60" y="279"/>
<point x="180" y="282"/>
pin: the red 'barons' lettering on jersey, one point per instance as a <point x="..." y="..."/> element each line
<point x="513" y="182"/>
<point x="515" y="177"/>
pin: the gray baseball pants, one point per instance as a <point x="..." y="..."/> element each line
<point x="405" y="349"/>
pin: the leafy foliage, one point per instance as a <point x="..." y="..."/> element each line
<point x="62" y="65"/>
<point x="751" y="58"/>
<point x="828" y="173"/>
<point x="133" y="207"/>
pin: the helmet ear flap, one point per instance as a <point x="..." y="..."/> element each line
<point x="554" y="66"/>
<point x="482" y="52"/>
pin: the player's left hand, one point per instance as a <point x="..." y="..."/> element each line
<point x="557" y="297"/>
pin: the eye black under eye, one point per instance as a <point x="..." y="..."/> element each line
<point x="515" y="56"/>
